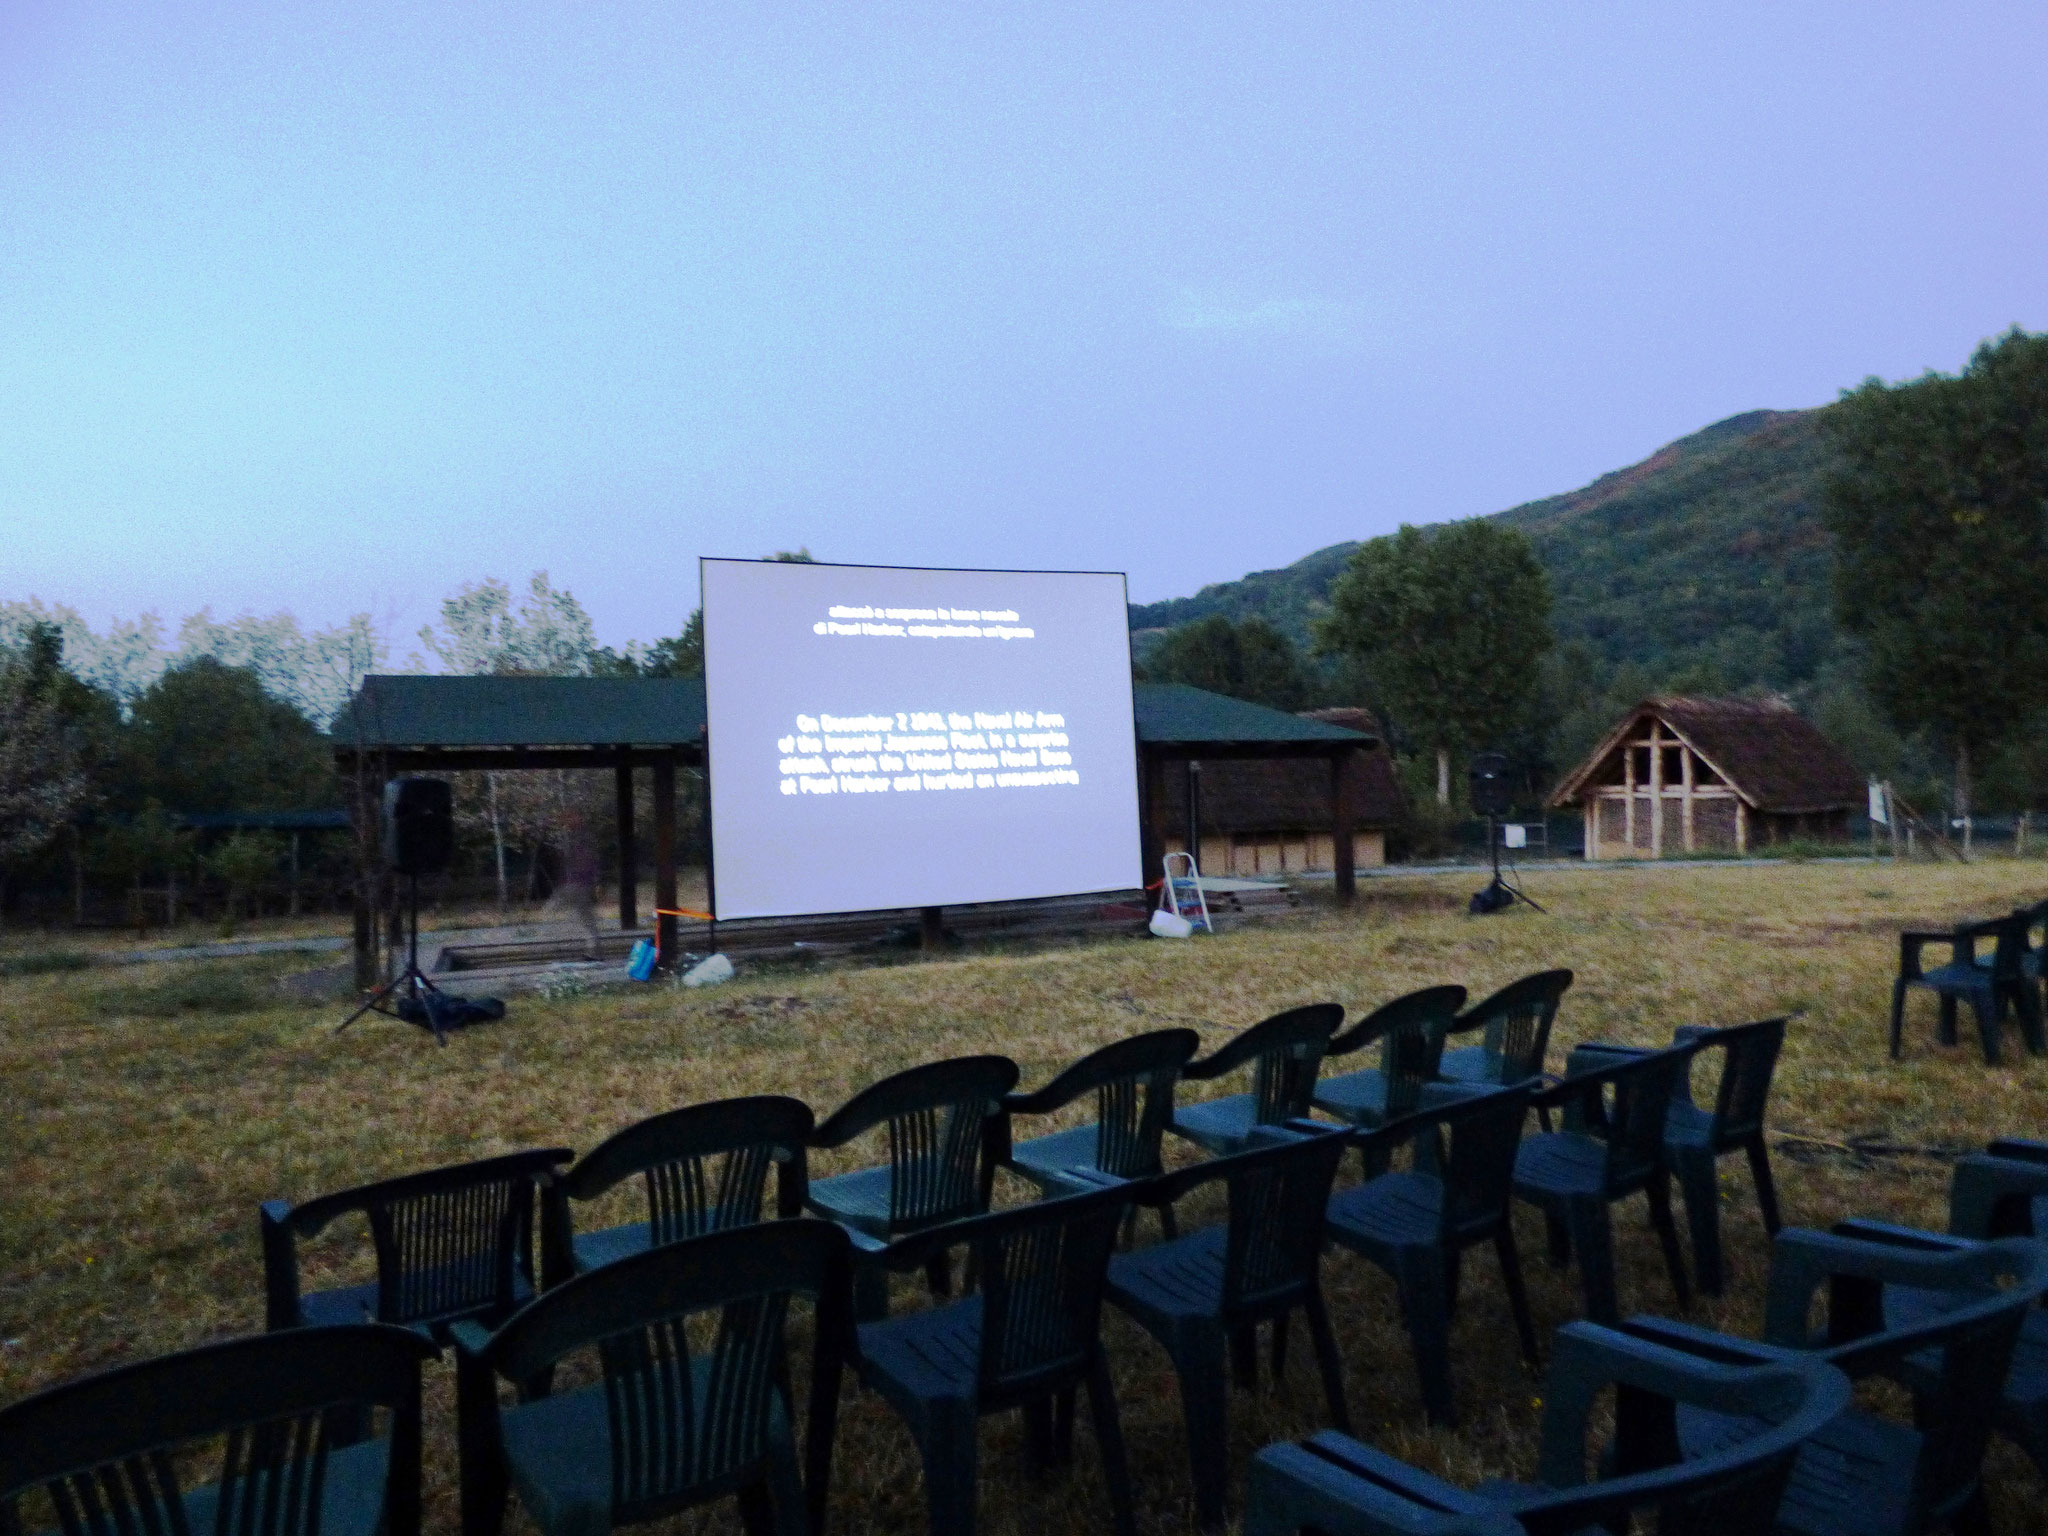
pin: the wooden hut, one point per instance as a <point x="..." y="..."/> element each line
<point x="1274" y="817"/>
<point x="1686" y="775"/>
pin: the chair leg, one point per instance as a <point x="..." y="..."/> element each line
<point x="2027" y="1007"/>
<point x="1109" y="1439"/>
<point x="1038" y="1432"/>
<point x="1063" y="1429"/>
<point x="1244" y="1358"/>
<point x="1518" y="1296"/>
<point x="1327" y="1359"/>
<point x="1280" y="1349"/>
<point x="1974" y="1518"/>
<point x="1948" y="1020"/>
<point x="1593" y="1239"/>
<point x="1199" y="1365"/>
<point x="1898" y="1014"/>
<point x="1659" y="1192"/>
<point x="1988" y="1005"/>
<point x="1558" y="1240"/>
<point x="1766" y="1188"/>
<point x="870" y="1293"/>
<point x="1424" y="1310"/>
<point x="784" y="1491"/>
<point x="1700" y="1183"/>
<point x="950" y="1468"/>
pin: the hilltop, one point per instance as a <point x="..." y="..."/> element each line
<point x="1708" y="553"/>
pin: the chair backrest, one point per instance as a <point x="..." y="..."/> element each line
<point x="1736" y="1488"/>
<point x="450" y="1242"/>
<point x="682" y="1418"/>
<point x="1517" y="1020"/>
<point x="1286" y="1053"/>
<point x="111" y="1452"/>
<point x="1278" y="1195"/>
<point x="1411" y="1032"/>
<point x="1749" y="1062"/>
<point x="705" y="1167"/>
<point x="1133" y="1081"/>
<point x="1478" y="1170"/>
<point x="1988" y="1286"/>
<point x="936" y="1116"/>
<point x="1996" y="1195"/>
<point x="2009" y="943"/>
<point x="1641" y="1106"/>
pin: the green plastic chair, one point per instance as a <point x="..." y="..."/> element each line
<point x="704" y="1168"/>
<point x="1026" y="1341"/>
<point x="452" y="1244"/>
<point x="674" y="1421"/>
<point x="1990" y="982"/>
<point x="1334" y="1486"/>
<point x="288" y="1420"/>
<point x="1410" y="1032"/>
<point x="1516" y="1023"/>
<point x="1285" y="1053"/>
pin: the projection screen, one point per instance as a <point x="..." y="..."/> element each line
<point x="885" y="737"/>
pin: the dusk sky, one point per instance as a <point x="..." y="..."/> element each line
<point x="335" y="307"/>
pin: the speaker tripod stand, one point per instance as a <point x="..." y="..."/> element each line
<point x="424" y="996"/>
<point x="1499" y="894"/>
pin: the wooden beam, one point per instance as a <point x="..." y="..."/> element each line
<point x="629" y="861"/>
<point x="1686" y="775"/>
<point x="1656" y="792"/>
<point x="1342" y="853"/>
<point x="1152" y="835"/>
<point x="665" y="861"/>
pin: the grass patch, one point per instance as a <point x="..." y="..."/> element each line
<point x="136" y="1156"/>
<point x="44" y="962"/>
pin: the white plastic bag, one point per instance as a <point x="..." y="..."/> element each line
<point x="1171" y="925"/>
<point x="708" y="972"/>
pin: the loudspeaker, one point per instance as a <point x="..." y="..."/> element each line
<point x="1492" y="794"/>
<point x="419" y="825"/>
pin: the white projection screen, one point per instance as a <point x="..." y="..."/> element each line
<point x="886" y="738"/>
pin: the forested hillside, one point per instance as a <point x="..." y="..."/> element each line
<point x="1707" y="559"/>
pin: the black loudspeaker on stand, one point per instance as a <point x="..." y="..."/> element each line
<point x="1492" y="796"/>
<point x="419" y="839"/>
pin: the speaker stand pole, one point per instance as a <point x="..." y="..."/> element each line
<point x="418" y="987"/>
<point x="1498" y="895"/>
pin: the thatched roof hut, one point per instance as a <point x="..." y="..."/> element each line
<point x="1710" y="775"/>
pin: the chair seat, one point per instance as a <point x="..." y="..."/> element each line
<point x="1469" y="1064"/>
<point x="1219" y="1126"/>
<point x="1395" y="1210"/>
<point x="859" y="1200"/>
<point x="1170" y="1282"/>
<point x="1854" y="1478"/>
<point x="1956" y="976"/>
<point x="558" y="1450"/>
<point x="1687" y="1125"/>
<point x="1048" y="1160"/>
<point x="343" y="1304"/>
<point x="2026" y="1381"/>
<point x="1359" y="1097"/>
<point x="351" y="1492"/>
<point x="925" y="1355"/>
<point x="608" y="1245"/>
<point x="1560" y="1163"/>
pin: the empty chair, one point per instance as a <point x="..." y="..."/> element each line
<point x="703" y="1169"/>
<point x="2002" y="1192"/>
<point x="1334" y="1486"/>
<point x="1696" y="1139"/>
<point x="1991" y="980"/>
<point x="1517" y="1021"/>
<point x="677" y="1416"/>
<point x="1410" y="1032"/>
<point x="289" y="1422"/>
<point x="1573" y="1175"/>
<point x="1133" y="1082"/>
<point x="451" y="1244"/>
<point x="1865" y="1473"/>
<point x="943" y="1119"/>
<point x="1027" y="1341"/>
<point x="1417" y="1225"/>
<point x="1285" y="1053"/>
<point x="1212" y="1288"/>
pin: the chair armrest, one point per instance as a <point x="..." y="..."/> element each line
<point x="1289" y="1489"/>
<point x="1865" y="1230"/>
<point x="1987" y="1187"/>
<point x="557" y="1236"/>
<point x="1390" y="1472"/>
<point x="280" y="1266"/>
<point x="1910" y="944"/>
<point x="1293" y="1129"/>
<point x="1594" y="1048"/>
<point x="792" y="1185"/>
<point x="470" y="1338"/>
<point x="2019" y="1150"/>
<point x="1722" y="1348"/>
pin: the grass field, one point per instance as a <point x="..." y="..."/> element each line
<point x="149" y="1108"/>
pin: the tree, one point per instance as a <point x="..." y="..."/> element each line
<point x="42" y="780"/>
<point x="206" y="737"/>
<point x="679" y="655"/>
<point x="1450" y="626"/>
<point x="1251" y="660"/>
<point x="1938" y="502"/>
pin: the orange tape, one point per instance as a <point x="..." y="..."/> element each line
<point x="683" y="912"/>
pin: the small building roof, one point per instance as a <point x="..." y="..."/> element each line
<point x="396" y="713"/>
<point x="1770" y="754"/>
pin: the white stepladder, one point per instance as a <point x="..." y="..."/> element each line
<point x="1182" y="894"/>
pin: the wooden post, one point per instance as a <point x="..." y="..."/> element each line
<point x="1741" y="828"/>
<point x="1342" y="853"/>
<point x="629" y="863"/>
<point x="1194" y="782"/>
<point x="1152" y="837"/>
<point x="1628" y="804"/>
<point x="1686" y="781"/>
<point x="1656" y="791"/>
<point x="296" y="834"/>
<point x="1591" y="811"/>
<point x="665" y="860"/>
<point x="931" y="929"/>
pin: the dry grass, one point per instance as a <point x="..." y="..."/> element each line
<point x="143" y="1126"/>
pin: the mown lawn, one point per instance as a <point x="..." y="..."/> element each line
<point x="149" y="1109"/>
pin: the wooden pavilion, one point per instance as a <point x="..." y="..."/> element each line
<point x="414" y="724"/>
<point x="1692" y="775"/>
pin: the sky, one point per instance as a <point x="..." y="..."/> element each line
<point x="335" y="308"/>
